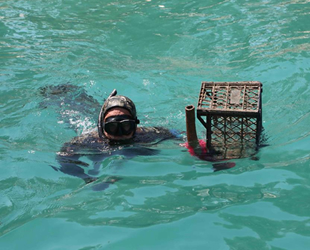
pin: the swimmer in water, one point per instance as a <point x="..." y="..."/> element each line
<point x="116" y="133"/>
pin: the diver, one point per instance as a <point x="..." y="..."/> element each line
<point x="117" y="133"/>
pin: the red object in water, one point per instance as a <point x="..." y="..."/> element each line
<point x="202" y="145"/>
<point x="204" y="156"/>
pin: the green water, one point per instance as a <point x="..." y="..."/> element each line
<point x="157" y="53"/>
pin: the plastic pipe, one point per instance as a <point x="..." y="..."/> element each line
<point x="191" y="132"/>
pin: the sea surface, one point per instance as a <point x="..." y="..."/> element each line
<point x="60" y="59"/>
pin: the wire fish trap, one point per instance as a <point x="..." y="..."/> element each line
<point x="231" y="112"/>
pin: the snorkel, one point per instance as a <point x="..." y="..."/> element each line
<point x="191" y="132"/>
<point x="116" y="101"/>
<point x="100" y="118"/>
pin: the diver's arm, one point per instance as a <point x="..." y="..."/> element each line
<point x="68" y="159"/>
<point x="70" y="164"/>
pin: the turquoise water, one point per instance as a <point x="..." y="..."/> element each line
<point x="157" y="53"/>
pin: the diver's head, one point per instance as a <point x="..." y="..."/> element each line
<point x="118" y="118"/>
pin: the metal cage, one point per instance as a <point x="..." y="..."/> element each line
<point x="231" y="112"/>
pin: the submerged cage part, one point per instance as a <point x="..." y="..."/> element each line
<point x="233" y="117"/>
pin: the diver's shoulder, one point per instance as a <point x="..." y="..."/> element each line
<point x="154" y="134"/>
<point x="156" y="130"/>
<point x="86" y="142"/>
<point x="89" y="136"/>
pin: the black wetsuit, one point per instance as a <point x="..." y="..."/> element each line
<point x="97" y="149"/>
<point x="66" y="98"/>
